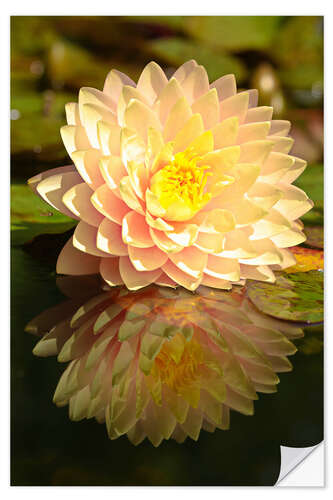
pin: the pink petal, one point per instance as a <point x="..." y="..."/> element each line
<point x="178" y="116"/>
<point x="295" y="171"/>
<point x="191" y="130"/>
<point x="180" y="277"/>
<point x="109" y="205"/>
<point x="74" y="138"/>
<point x="184" y="70"/>
<point x="129" y="196"/>
<point x="109" y="138"/>
<point x="126" y="95"/>
<point x="163" y="242"/>
<point x="112" y="170"/>
<point x="268" y="254"/>
<point x="276" y="167"/>
<point x="225" y="86"/>
<point x="219" y="267"/>
<point x="147" y="259"/>
<point x="134" y="279"/>
<point x="281" y="144"/>
<point x="109" y="238"/>
<point x="235" y="106"/>
<point x="237" y="244"/>
<point x="253" y="132"/>
<point x="72" y="261"/>
<point x="132" y="146"/>
<point x="259" y="114"/>
<point x="210" y="243"/>
<point x="72" y="113"/>
<point x="87" y="164"/>
<point x="255" y="151"/>
<point x="152" y="81"/>
<point x="52" y="189"/>
<point x="280" y="127"/>
<point x="191" y="261"/>
<point x="288" y="260"/>
<point x="225" y="133"/>
<point x="139" y="118"/>
<point x="164" y="280"/>
<point x="171" y="93"/>
<point x="208" y="107"/>
<point x="264" y="195"/>
<point x="260" y="273"/>
<point x="91" y="114"/>
<point x="135" y="231"/>
<point x="216" y="282"/>
<point x="36" y="179"/>
<point x="77" y="199"/>
<point x="195" y="84"/>
<point x="109" y="269"/>
<point x="289" y="238"/>
<point x="85" y="239"/>
<point x="114" y="83"/>
<point x="89" y="95"/>
<point x="294" y="203"/>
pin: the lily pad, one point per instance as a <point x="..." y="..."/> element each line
<point x="31" y="216"/>
<point x="295" y="297"/>
<point x="307" y="259"/>
<point x="314" y="236"/>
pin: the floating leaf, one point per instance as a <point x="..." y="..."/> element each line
<point x="176" y="51"/>
<point x="314" y="236"/>
<point x="294" y="297"/>
<point x="307" y="259"/>
<point x="31" y="216"/>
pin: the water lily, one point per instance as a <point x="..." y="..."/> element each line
<point x="176" y="181"/>
<point x="162" y="363"/>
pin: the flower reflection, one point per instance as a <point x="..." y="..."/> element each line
<point x="162" y="363"/>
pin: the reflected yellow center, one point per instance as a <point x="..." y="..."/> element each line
<point x="183" y="179"/>
<point x="178" y="362"/>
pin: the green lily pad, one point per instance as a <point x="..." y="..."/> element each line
<point x="31" y="216"/>
<point x="294" y="297"/>
<point x="176" y="51"/>
<point x="314" y="236"/>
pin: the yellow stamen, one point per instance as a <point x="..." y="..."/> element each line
<point x="182" y="179"/>
<point x="178" y="363"/>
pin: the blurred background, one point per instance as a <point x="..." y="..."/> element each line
<point x="51" y="58"/>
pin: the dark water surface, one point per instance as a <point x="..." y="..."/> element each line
<point x="48" y="449"/>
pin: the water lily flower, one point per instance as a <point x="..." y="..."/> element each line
<point x="163" y="363"/>
<point x="176" y="181"/>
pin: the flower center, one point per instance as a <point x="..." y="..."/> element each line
<point x="178" y="362"/>
<point x="184" y="180"/>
